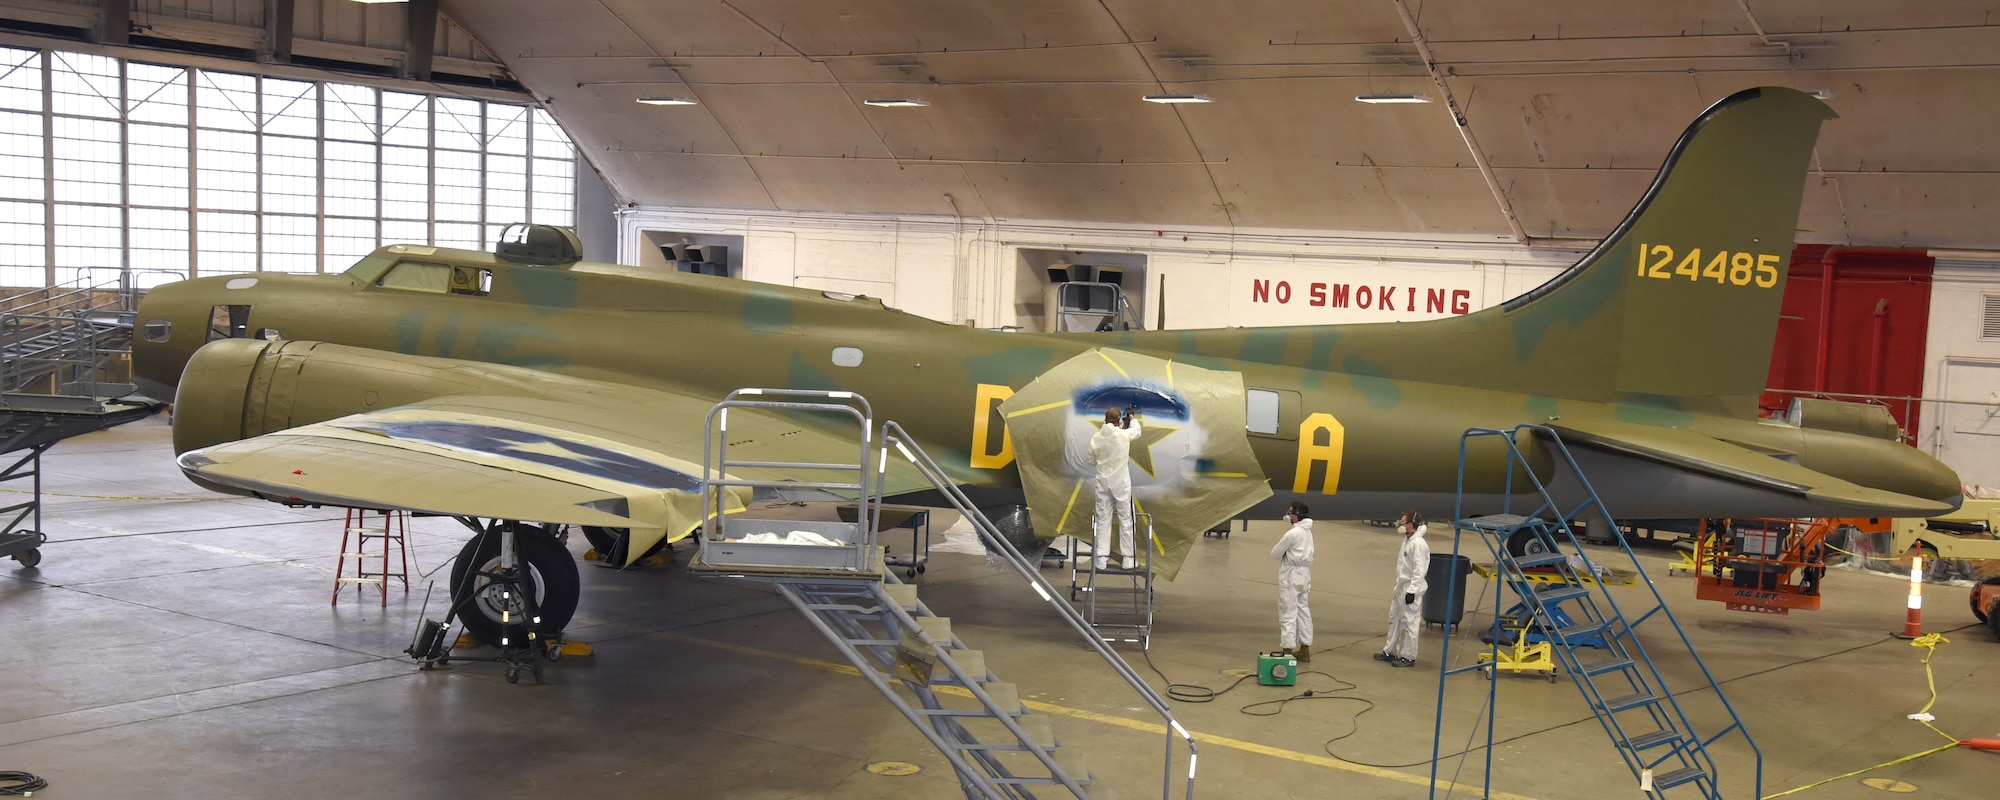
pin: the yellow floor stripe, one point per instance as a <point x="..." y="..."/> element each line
<point x="1121" y="722"/>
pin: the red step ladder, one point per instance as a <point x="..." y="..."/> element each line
<point x="389" y="528"/>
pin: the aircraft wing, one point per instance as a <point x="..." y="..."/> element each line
<point x="582" y="461"/>
<point x="1694" y="452"/>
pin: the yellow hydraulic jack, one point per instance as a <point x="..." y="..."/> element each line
<point x="1520" y="656"/>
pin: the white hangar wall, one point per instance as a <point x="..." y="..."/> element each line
<point x="983" y="273"/>
<point x="1961" y="420"/>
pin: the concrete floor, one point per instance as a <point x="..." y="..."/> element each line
<point x="176" y="645"/>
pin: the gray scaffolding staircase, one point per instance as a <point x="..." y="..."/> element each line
<point x="997" y="747"/>
<point x="1644" y="717"/>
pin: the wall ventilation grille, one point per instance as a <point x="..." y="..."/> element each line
<point x="1990" y="325"/>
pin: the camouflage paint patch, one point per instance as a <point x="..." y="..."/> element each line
<point x="1014" y="366"/>
<point x="1586" y="294"/>
<point x="1542" y="408"/>
<point x="1367" y="379"/>
<point x="502" y="343"/>
<point x="1654" y="409"/>
<point x="1264" y="346"/>
<point x="1319" y="359"/>
<point x="546" y="290"/>
<point x="409" y="330"/>
<point x="447" y="336"/>
<point x="767" y="310"/>
<point x="800" y="375"/>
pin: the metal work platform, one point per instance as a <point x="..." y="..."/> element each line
<point x="30" y="424"/>
<point x="842" y="585"/>
<point x="1571" y="607"/>
<point x="1117" y="602"/>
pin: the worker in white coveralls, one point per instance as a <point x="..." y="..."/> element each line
<point x="1294" y="553"/>
<point x="1111" y="451"/>
<point x="1407" y="603"/>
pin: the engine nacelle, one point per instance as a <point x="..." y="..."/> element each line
<point x="239" y="388"/>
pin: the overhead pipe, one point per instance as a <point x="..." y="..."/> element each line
<point x="1464" y="129"/>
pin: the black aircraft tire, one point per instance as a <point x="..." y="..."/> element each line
<point x="1974" y="600"/>
<point x="610" y="545"/>
<point x="551" y="578"/>
<point x="1524" y="543"/>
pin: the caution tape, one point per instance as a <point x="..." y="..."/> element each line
<point x="1858" y="555"/>
<point x="1929" y="643"/>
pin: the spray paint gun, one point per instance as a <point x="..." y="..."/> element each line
<point x="1125" y="417"/>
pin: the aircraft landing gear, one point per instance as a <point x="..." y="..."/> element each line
<point x="514" y="585"/>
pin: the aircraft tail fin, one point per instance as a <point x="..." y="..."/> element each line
<point x="1681" y="300"/>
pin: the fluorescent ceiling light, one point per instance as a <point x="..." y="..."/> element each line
<point x="669" y="101"/>
<point x="1178" y="98"/>
<point x="1391" y="98"/>
<point x="1823" y="94"/>
<point x="897" y="102"/>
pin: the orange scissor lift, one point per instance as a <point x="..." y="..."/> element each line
<point x="1767" y="566"/>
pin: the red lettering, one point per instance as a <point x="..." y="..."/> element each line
<point x="1385" y="298"/>
<point x="1434" y="301"/>
<point x="1339" y="298"/>
<point x="1461" y="301"/>
<point x="1411" y="300"/>
<point x="1318" y="295"/>
<point x="1260" y="291"/>
<point x="1284" y="292"/>
<point x="1364" y="297"/>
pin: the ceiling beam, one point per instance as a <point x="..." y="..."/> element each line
<point x="1464" y="128"/>
<point x="420" y="32"/>
<point x="278" y="16"/>
<point x="114" y="23"/>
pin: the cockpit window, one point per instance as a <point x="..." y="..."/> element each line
<point x="420" y="276"/>
<point x="417" y="276"/>
<point x="158" y="330"/>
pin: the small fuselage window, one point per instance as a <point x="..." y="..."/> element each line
<point x="158" y="330"/>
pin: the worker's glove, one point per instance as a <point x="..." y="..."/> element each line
<point x="1409" y="598"/>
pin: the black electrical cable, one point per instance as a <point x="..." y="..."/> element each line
<point x="24" y="784"/>
<point x="1190" y="692"/>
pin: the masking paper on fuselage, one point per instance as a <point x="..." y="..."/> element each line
<point x="1192" y="466"/>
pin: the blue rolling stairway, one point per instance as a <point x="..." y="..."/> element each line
<point x="1643" y="715"/>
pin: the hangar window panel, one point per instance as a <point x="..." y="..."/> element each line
<point x="405" y="187"/>
<point x="351" y="113"/>
<point x="156" y="94"/>
<point x="456" y="186"/>
<point x="291" y="175"/>
<point x="90" y="241"/>
<point x="406" y="119"/>
<point x="226" y="170"/>
<point x="21" y="157"/>
<point x="506" y="189"/>
<point x="291" y="244"/>
<point x="395" y="231"/>
<point x="468" y="236"/>
<point x="24" y="255"/>
<point x="21" y="79"/>
<point x="549" y="137"/>
<point x="87" y="167"/>
<point x="226" y="101"/>
<point x="84" y="85"/>
<point x="290" y="108"/>
<point x="225" y="242"/>
<point x="350" y="187"/>
<point x="458" y="124"/>
<point x="347" y="241"/>
<point x="506" y="129"/>
<point x="160" y="240"/>
<point x="159" y="166"/>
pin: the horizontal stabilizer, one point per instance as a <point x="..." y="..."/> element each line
<point x="1706" y="455"/>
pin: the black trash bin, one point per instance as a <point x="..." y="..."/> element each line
<point x="1444" y="601"/>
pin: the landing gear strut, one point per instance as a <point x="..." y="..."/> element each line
<point x="515" y="586"/>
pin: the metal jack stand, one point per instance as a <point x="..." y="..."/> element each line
<point x="505" y="589"/>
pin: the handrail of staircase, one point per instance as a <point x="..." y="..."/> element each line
<point x="1519" y="460"/>
<point x="893" y="435"/>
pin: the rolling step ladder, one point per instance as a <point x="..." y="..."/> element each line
<point x="998" y="749"/>
<point x="1118" y="603"/>
<point x="1645" y="717"/>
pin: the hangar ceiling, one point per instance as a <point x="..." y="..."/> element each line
<point x="1035" y="107"/>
